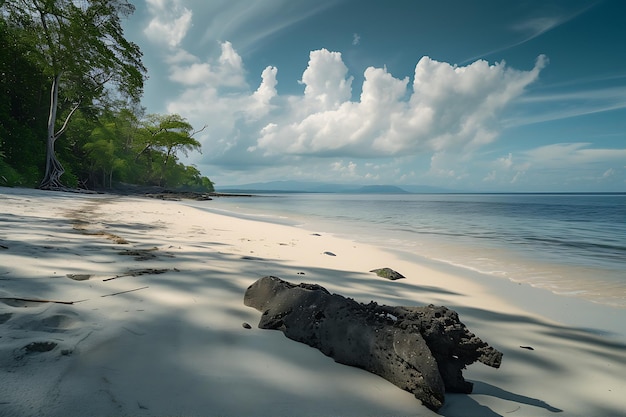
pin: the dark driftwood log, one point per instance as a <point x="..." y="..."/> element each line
<point x="422" y="350"/>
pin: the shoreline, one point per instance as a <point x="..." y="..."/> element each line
<point x="156" y="324"/>
<point x="567" y="279"/>
<point x="569" y="310"/>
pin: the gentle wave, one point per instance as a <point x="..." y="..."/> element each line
<point x="570" y="244"/>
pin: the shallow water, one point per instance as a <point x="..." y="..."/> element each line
<point x="572" y="244"/>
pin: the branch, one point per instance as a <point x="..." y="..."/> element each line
<point x="35" y="300"/>
<point x="198" y="131"/>
<point x="148" y="146"/>
<point x="67" y="119"/>
<point x="101" y="83"/>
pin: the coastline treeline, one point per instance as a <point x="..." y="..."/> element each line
<point x="70" y="87"/>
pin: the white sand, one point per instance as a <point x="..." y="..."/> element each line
<point x="165" y="337"/>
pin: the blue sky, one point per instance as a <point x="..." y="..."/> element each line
<point x="483" y="95"/>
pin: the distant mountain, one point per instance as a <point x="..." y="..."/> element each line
<point x="380" y="189"/>
<point x="321" y="187"/>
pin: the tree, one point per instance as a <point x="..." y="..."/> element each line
<point x="22" y="110"/>
<point x="81" y="48"/>
<point x="168" y="135"/>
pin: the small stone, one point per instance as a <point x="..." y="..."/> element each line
<point x="388" y="273"/>
<point x="246" y="325"/>
<point x="79" y="277"/>
<point x="329" y="254"/>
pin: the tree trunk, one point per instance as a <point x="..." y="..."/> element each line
<point x="54" y="169"/>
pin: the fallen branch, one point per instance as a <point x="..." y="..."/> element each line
<point x="35" y="300"/>
<point x="138" y="272"/>
<point x="124" y="292"/>
<point x="422" y="350"/>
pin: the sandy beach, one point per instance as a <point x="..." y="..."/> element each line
<point x="123" y="306"/>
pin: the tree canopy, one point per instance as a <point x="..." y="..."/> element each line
<point x="68" y="70"/>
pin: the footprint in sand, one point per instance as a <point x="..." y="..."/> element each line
<point x="61" y="322"/>
<point x="39" y="347"/>
<point x="34" y="348"/>
<point x="5" y="317"/>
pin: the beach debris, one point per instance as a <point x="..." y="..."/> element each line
<point x="422" y="350"/>
<point x="329" y="254"/>
<point x="388" y="273"/>
<point x="246" y="325"/>
<point x="138" y="272"/>
<point x="315" y="234"/>
<point x="140" y="254"/>
<point x="124" y="292"/>
<point x="252" y="258"/>
<point x="527" y="347"/>
<point x="79" y="277"/>
<point x="18" y="301"/>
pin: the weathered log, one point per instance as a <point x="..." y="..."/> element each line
<point x="422" y="350"/>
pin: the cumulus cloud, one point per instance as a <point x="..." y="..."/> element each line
<point x="447" y="108"/>
<point x="261" y="99"/>
<point x="326" y="81"/>
<point x="443" y="111"/>
<point x="228" y="71"/>
<point x="170" y="22"/>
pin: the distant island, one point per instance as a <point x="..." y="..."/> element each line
<point x="380" y="189"/>
<point x="279" y="187"/>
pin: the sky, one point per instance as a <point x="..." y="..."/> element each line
<point x="468" y="95"/>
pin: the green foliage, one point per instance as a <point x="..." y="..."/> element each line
<point x="80" y="49"/>
<point x="9" y="177"/>
<point x="22" y="111"/>
<point x="161" y="138"/>
<point x="81" y="45"/>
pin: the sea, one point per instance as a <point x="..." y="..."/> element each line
<point x="571" y="244"/>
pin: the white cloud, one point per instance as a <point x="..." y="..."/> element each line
<point x="170" y="22"/>
<point x="344" y="169"/>
<point x="558" y="106"/>
<point x="449" y="108"/>
<point x="325" y="78"/>
<point x="608" y="173"/>
<point x="490" y="177"/>
<point x="261" y="99"/>
<point x="446" y="111"/>
<point x="228" y="71"/>
<point x="248" y="23"/>
<point x="517" y="176"/>
<point x="506" y="161"/>
<point x="533" y="28"/>
<point x="552" y="167"/>
<point x="356" y="39"/>
<point x="573" y="154"/>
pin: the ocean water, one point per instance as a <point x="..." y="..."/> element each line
<point x="571" y="244"/>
